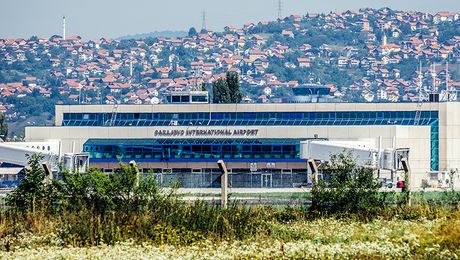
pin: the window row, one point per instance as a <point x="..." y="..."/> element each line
<point x="248" y="118"/>
<point x="166" y="152"/>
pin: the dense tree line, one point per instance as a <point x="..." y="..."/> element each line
<point x="448" y="30"/>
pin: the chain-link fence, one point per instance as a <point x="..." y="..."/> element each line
<point x="211" y="178"/>
<point x="235" y="180"/>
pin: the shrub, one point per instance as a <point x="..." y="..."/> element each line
<point x="350" y="190"/>
<point x="94" y="208"/>
<point x="33" y="192"/>
<point x="448" y="233"/>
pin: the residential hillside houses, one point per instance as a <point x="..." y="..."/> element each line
<point x="367" y="55"/>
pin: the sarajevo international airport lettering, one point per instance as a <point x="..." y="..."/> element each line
<point x="207" y="132"/>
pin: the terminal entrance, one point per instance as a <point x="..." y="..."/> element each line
<point x="266" y="180"/>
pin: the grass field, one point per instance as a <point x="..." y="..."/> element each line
<point x="328" y="238"/>
<point x="99" y="216"/>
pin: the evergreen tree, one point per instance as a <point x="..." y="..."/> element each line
<point x="192" y="32"/>
<point x="221" y="92"/>
<point x="3" y="127"/>
<point x="233" y="83"/>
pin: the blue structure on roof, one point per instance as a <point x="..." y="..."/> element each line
<point x="311" y="93"/>
<point x="306" y="90"/>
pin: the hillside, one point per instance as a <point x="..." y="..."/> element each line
<point x="369" y="55"/>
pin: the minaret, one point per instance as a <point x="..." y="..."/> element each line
<point x="63" y="27"/>
<point x="130" y="68"/>
<point x="384" y="41"/>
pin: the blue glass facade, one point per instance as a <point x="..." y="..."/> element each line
<point x="434" y="144"/>
<point x="249" y="118"/>
<point x="178" y="150"/>
<point x="211" y="149"/>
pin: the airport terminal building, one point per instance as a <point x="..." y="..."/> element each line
<point x="190" y="138"/>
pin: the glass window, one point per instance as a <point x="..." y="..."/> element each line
<point x="251" y="118"/>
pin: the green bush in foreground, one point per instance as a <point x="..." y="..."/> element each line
<point x="94" y="209"/>
<point x="350" y="190"/>
<point x="89" y="209"/>
<point x="33" y="192"/>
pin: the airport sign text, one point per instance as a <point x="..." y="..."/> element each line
<point x="207" y="132"/>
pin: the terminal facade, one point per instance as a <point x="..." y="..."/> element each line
<point x="190" y="138"/>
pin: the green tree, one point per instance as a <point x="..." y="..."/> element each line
<point x="349" y="189"/>
<point x="192" y="32"/>
<point x="32" y="191"/>
<point x="233" y="83"/>
<point x="3" y="127"/>
<point x="220" y="91"/>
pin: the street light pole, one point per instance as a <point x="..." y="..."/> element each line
<point x="407" y="173"/>
<point x="314" y="173"/>
<point x="223" y="183"/>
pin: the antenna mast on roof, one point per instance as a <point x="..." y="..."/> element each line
<point x="452" y="94"/>
<point x="63" y="27"/>
<point x="203" y="23"/>
<point x="421" y="97"/>
<point x="447" y="73"/>
<point x="433" y="75"/>
<point x="420" y="77"/>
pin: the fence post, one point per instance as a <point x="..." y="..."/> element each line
<point x="48" y="172"/>
<point x="223" y="183"/>
<point x="314" y="181"/>
<point x="407" y="184"/>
